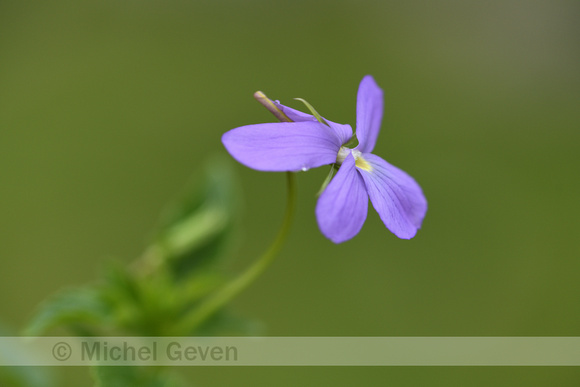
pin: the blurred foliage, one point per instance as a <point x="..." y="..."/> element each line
<point x="12" y="376"/>
<point x="153" y="296"/>
<point x="196" y="231"/>
<point x="119" y="376"/>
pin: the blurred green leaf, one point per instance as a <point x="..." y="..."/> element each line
<point x="76" y="308"/>
<point x="155" y="303"/>
<point x="118" y="376"/>
<point x="197" y="229"/>
<point x="151" y="305"/>
<point x="22" y="376"/>
<point x="174" y="276"/>
<point x="226" y="323"/>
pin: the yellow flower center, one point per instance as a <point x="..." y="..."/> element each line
<point x="359" y="161"/>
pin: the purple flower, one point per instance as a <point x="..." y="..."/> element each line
<point x="307" y="143"/>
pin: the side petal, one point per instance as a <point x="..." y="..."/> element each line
<point x="369" y="113"/>
<point x="342" y="208"/>
<point x="343" y="131"/>
<point x="395" y="195"/>
<point x="282" y="146"/>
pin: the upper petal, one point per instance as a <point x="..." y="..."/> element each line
<point x="293" y="114"/>
<point x="342" y="208"/>
<point x="395" y="195"/>
<point x="283" y="146"/>
<point x="343" y="131"/>
<point x="369" y="113"/>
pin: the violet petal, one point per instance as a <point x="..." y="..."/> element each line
<point x="342" y="208"/>
<point x="283" y="146"/>
<point x="369" y="113"/>
<point x="343" y="131"/>
<point x="395" y="195"/>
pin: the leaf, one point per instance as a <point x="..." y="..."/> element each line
<point x="177" y="272"/>
<point x="151" y="305"/>
<point x="197" y="230"/>
<point x="225" y="323"/>
<point x="22" y="376"/>
<point x="120" y="376"/>
<point x="12" y="376"/>
<point x="73" y="307"/>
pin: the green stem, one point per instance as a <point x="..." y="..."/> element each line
<point x="223" y="296"/>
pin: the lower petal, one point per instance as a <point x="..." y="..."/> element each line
<point x="395" y="195"/>
<point x="342" y="208"/>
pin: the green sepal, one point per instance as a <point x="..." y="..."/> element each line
<point x="313" y="111"/>
<point x="352" y="143"/>
<point x="333" y="169"/>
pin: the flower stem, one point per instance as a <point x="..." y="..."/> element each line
<point x="223" y="296"/>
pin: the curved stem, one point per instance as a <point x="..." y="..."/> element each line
<point x="231" y="289"/>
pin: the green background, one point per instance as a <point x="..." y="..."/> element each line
<point x="108" y="107"/>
